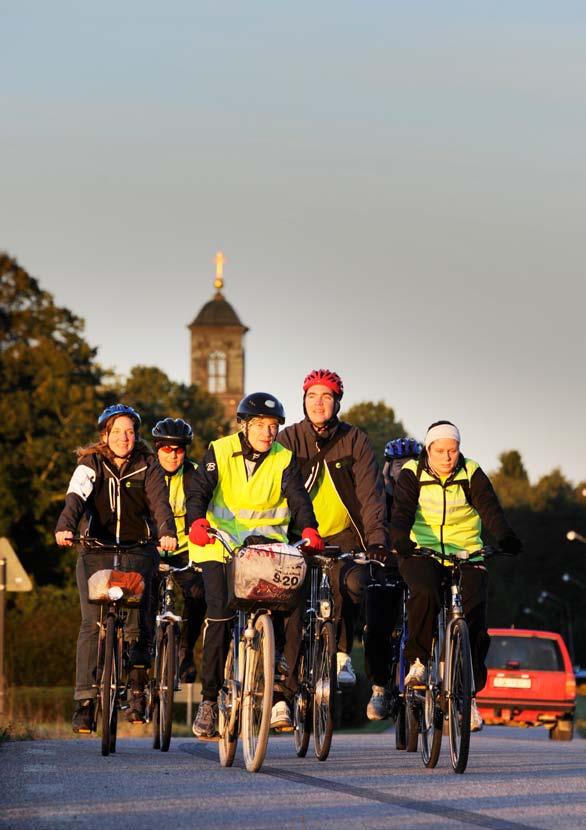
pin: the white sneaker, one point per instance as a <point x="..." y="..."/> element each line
<point x="476" y="722"/>
<point x="378" y="705"/>
<point x="281" y="717"/>
<point x="345" y="672"/>
<point x="416" y="674"/>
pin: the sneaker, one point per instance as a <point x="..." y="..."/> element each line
<point x="82" y="721"/>
<point x="378" y="705"/>
<point x="346" y="675"/>
<point x="205" y="725"/>
<point x="187" y="669"/>
<point x="281" y="717"/>
<point x="416" y="674"/>
<point x="476" y="722"/>
<point x="137" y="710"/>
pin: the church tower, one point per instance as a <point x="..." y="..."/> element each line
<point x="217" y="348"/>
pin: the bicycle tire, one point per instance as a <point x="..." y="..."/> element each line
<point x="431" y="716"/>
<point x="411" y="728"/>
<point x="156" y="683"/>
<point x="167" y="687"/>
<point x="227" y="717"/>
<point x="302" y="706"/>
<point x="401" y="726"/>
<point x="459" y="671"/>
<point x="324" y="675"/>
<point x="258" y="693"/>
<point x="109" y="685"/>
<point x="118" y="658"/>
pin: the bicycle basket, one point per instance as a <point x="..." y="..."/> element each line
<point x="270" y="576"/>
<point x="128" y="577"/>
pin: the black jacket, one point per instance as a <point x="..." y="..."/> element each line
<point x="126" y="505"/>
<point x="352" y="465"/>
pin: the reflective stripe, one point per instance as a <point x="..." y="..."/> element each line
<point x="275" y="513"/>
<point x="222" y="512"/>
<point x="274" y="531"/>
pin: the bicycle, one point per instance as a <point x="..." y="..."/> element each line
<point x="115" y="589"/>
<point x="165" y="680"/>
<point x="313" y="703"/>
<point x="446" y="696"/>
<point x="246" y="696"/>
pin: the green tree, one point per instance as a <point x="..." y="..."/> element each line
<point x="155" y="396"/>
<point x="511" y="481"/>
<point x="378" y="421"/>
<point x="49" y="385"/>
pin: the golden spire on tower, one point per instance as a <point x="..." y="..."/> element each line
<point x="219" y="281"/>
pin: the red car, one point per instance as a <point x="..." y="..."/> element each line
<point x="530" y="682"/>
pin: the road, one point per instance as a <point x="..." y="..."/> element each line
<point x="515" y="780"/>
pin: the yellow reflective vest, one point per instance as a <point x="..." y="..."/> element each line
<point x="176" y="486"/>
<point x="241" y="505"/>
<point x="445" y="520"/>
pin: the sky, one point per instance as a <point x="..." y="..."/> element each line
<point x="399" y="191"/>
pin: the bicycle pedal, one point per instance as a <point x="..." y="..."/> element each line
<point x="85" y="731"/>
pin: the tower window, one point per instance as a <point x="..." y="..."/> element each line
<point x="217" y="372"/>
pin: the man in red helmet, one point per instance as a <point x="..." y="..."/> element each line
<point x="343" y="479"/>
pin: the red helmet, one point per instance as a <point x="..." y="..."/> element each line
<point x="327" y="378"/>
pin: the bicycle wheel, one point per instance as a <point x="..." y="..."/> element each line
<point x="431" y="717"/>
<point x="166" y="691"/>
<point x="109" y="686"/>
<point x="155" y="686"/>
<point x="228" y="713"/>
<point x="325" y="688"/>
<point x="401" y="725"/>
<point x="302" y="706"/>
<point x="258" y="693"/>
<point x="412" y="718"/>
<point x="459" y="672"/>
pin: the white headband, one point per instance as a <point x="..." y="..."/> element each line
<point x="441" y="431"/>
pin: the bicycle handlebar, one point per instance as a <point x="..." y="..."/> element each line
<point x="463" y="555"/>
<point x="97" y="545"/>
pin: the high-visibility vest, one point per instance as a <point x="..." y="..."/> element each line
<point x="330" y="511"/>
<point x="178" y="506"/>
<point x="244" y="505"/>
<point x="445" y="520"/>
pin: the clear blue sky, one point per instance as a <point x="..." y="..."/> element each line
<point x="399" y="190"/>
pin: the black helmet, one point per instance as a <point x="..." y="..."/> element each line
<point x="173" y="431"/>
<point x="118" y="409"/>
<point x="260" y="405"/>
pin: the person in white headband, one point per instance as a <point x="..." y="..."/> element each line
<point x="442" y="444"/>
<point x="445" y="501"/>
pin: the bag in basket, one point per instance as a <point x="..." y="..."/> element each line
<point x="268" y="573"/>
<point x="131" y="583"/>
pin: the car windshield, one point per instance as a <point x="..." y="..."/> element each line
<point x="535" y="653"/>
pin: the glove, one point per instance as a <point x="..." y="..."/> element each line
<point x="405" y="546"/>
<point x="314" y="544"/>
<point x="379" y="553"/>
<point x="511" y="544"/>
<point x="198" y="533"/>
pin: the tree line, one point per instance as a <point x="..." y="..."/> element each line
<point x="52" y="387"/>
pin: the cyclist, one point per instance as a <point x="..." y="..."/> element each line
<point x="250" y="486"/>
<point x="344" y="482"/>
<point x="443" y="501"/>
<point x="172" y="437"/>
<point x="119" y="492"/>
<point x="384" y="596"/>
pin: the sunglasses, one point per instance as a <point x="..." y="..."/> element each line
<point x="169" y="450"/>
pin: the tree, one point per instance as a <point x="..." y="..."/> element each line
<point x="49" y="385"/>
<point x="511" y="481"/>
<point x="155" y="396"/>
<point x="378" y="421"/>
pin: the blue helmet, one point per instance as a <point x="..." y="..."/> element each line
<point x="402" y="448"/>
<point x="118" y="409"/>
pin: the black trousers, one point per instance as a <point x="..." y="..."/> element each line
<point x="348" y="582"/>
<point x="424" y="576"/>
<point x="140" y="626"/>
<point x="383" y="601"/>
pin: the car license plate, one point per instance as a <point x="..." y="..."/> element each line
<point x="512" y="682"/>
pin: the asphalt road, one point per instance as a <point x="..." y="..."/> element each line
<point x="515" y="780"/>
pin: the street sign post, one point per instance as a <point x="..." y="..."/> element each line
<point x="13" y="577"/>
